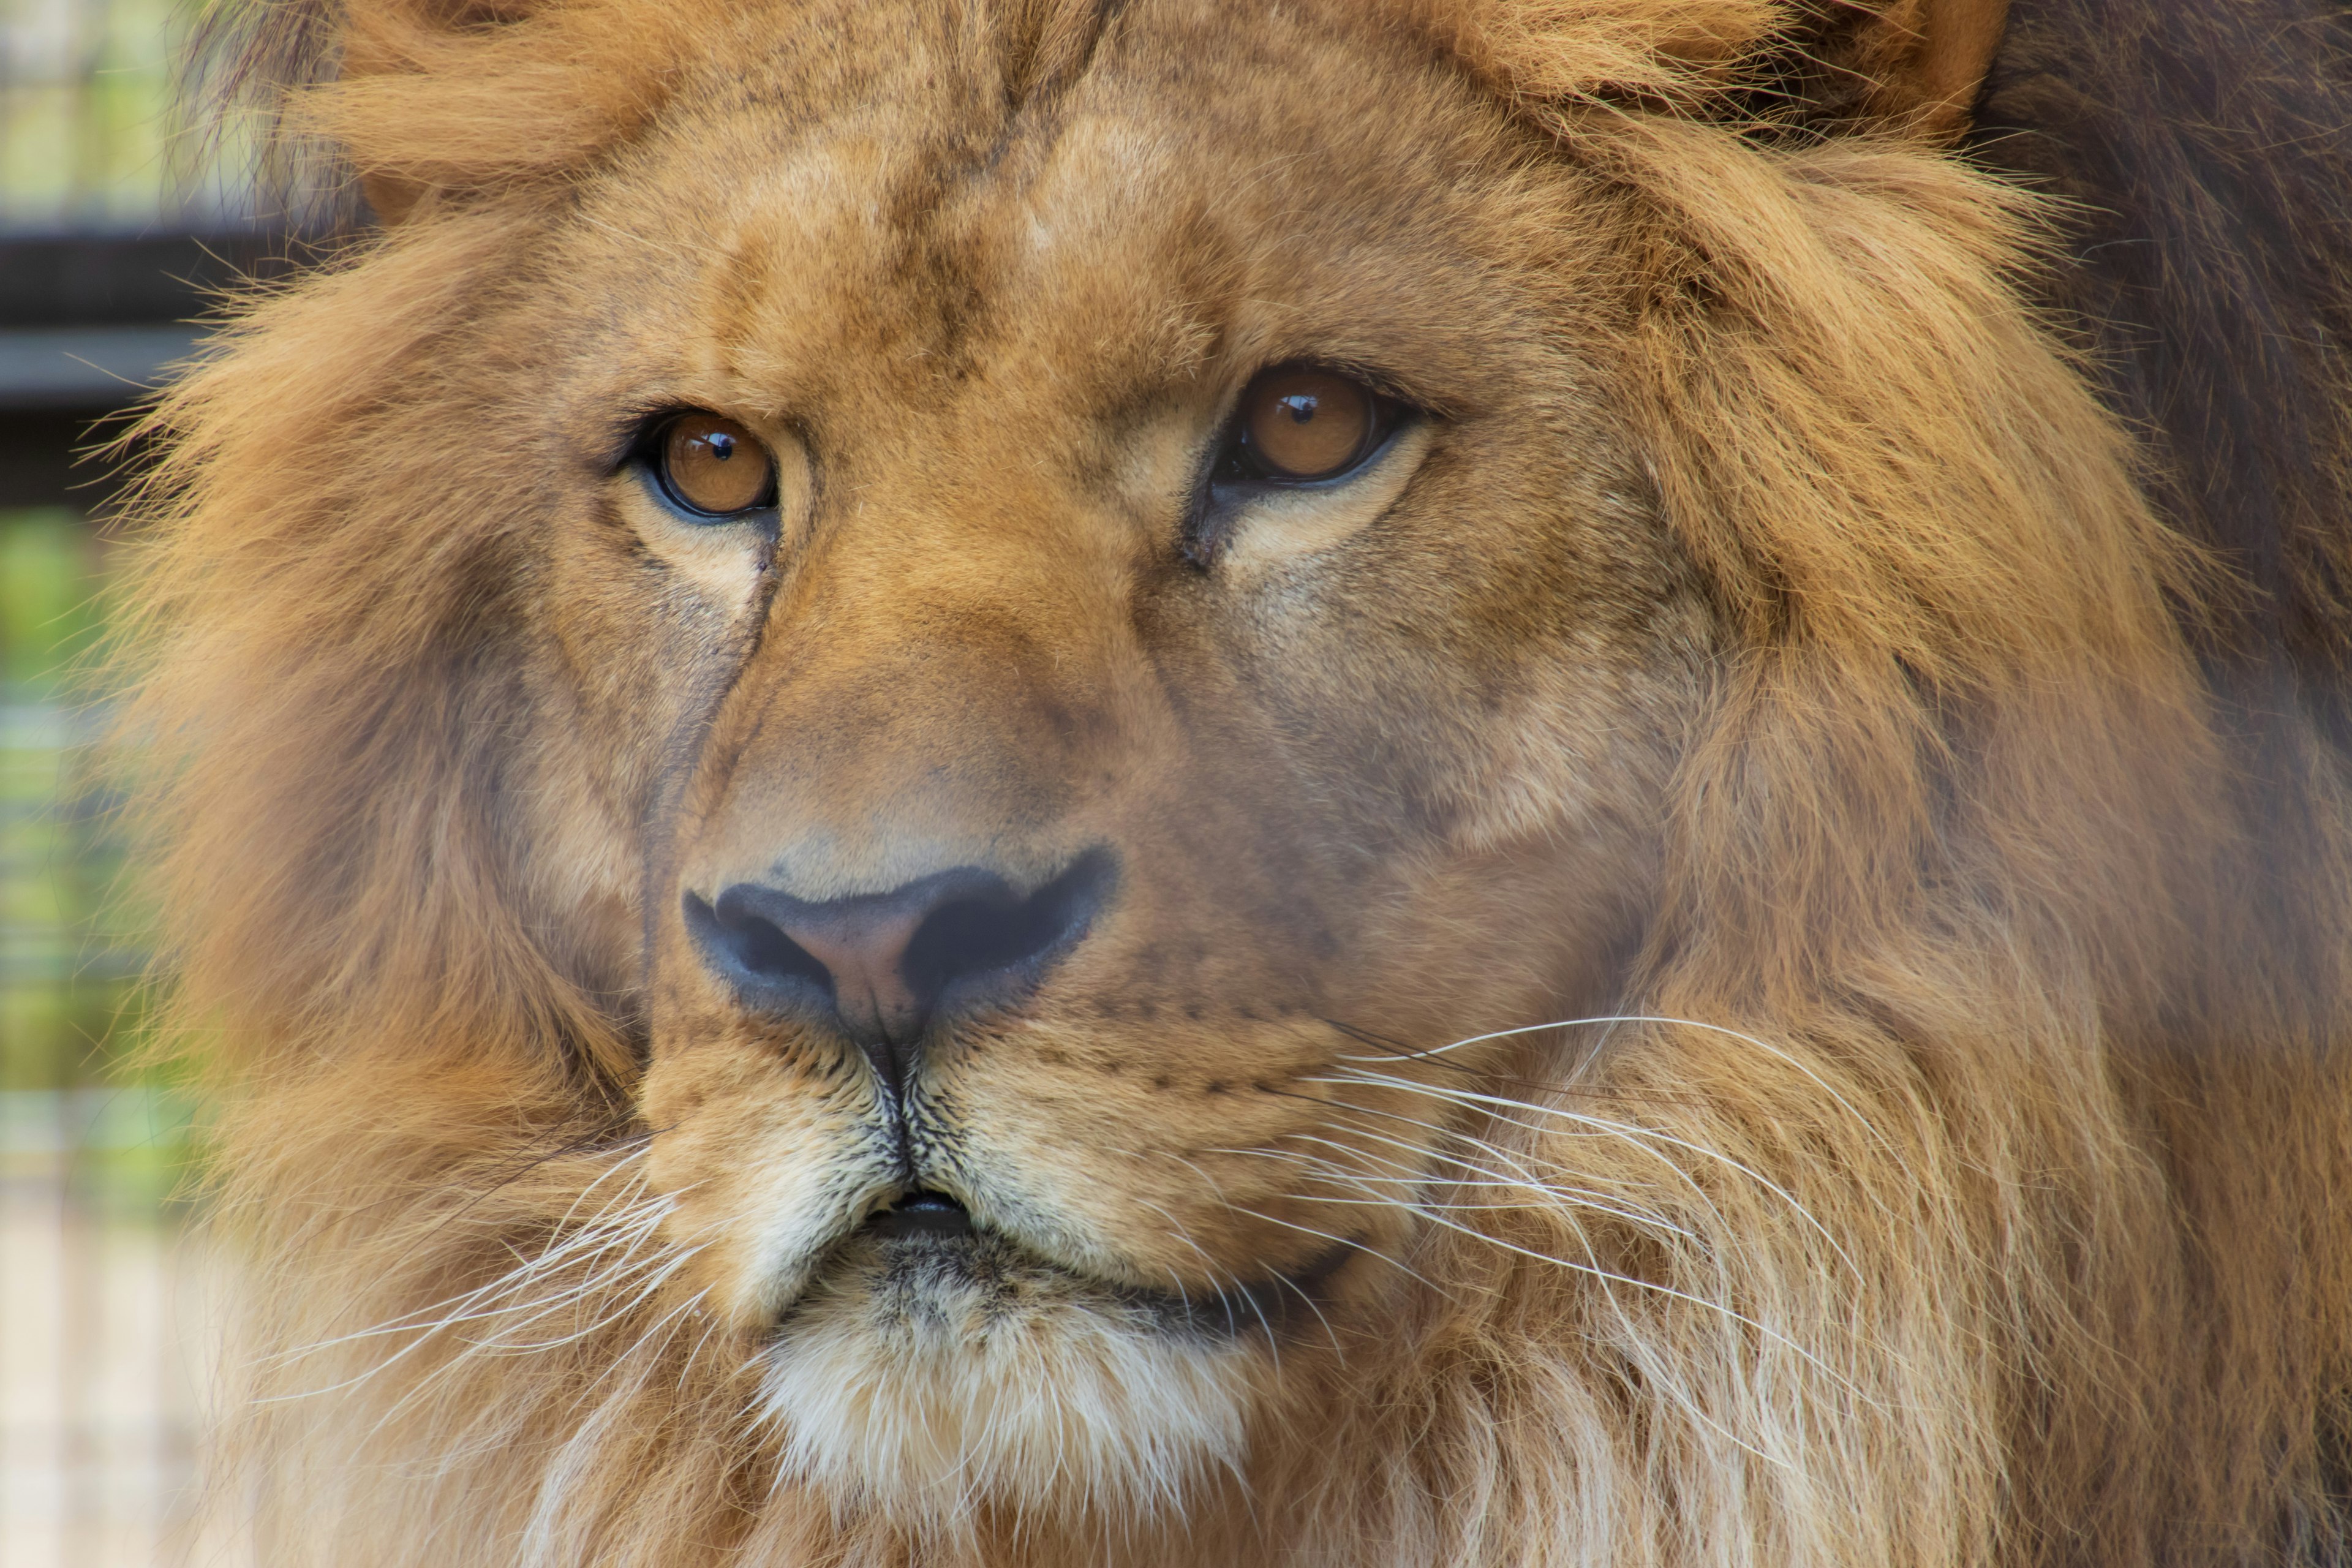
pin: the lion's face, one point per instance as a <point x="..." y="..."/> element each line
<point x="883" y="751"/>
<point x="865" y="744"/>
<point x="1058" y="809"/>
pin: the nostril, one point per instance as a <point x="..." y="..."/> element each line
<point x="745" y="940"/>
<point x="983" y="937"/>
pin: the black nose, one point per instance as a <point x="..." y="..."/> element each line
<point x="880" y="966"/>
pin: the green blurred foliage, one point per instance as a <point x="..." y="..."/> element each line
<point x="87" y="128"/>
<point x="86" y="145"/>
<point x="70" y="999"/>
<point x="50" y="579"/>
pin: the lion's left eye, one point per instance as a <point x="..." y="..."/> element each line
<point x="711" y="466"/>
<point x="1301" y="424"/>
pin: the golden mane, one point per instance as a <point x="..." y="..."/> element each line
<point x="1955" y="1183"/>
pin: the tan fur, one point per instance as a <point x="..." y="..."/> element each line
<point x="1764" y="655"/>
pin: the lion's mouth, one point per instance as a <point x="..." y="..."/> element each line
<point x="924" y="1257"/>
<point x="922" y="1214"/>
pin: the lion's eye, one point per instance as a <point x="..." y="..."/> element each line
<point x="1297" y="427"/>
<point x="1300" y="424"/>
<point x="714" y="466"/>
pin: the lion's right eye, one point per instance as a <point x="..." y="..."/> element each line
<point x="1305" y="424"/>
<point x="1301" y="424"/>
<point x="713" y="466"/>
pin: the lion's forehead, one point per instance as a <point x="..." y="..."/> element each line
<point x="914" y="227"/>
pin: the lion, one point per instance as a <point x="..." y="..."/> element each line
<point x="1358" y="782"/>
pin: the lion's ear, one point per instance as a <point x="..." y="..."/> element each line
<point x="414" y="98"/>
<point x="390" y="52"/>
<point x="1913" y="65"/>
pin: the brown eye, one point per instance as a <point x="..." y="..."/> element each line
<point x="714" y="465"/>
<point x="1307" y="424"/>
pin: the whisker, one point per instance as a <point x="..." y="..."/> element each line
<point x="1299" y="1291"/>
<point x="1597" y="1271"/>
<point x="1210" y="1265"/>
<point x="1525" y="1179"/>
<point x="618" y="1232"/>
<point x="450" y="1369"/>
<point x="667" y="1320"/>
<point x="710" y="1327"/>
<point x="1764" y="1045"/>
<point x="1449" y="1132"/>
<point x="1236" y="1208"/>
<point x="1349" y="1242"/>
<point x="1636" y="1135"/>
<point x="1581" y="1197"/>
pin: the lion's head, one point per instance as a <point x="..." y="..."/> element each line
<point x="1184" y="779"/>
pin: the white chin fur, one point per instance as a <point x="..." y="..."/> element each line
<point x="1048" y="1406"/>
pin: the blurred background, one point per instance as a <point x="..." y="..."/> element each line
<point x="113" y="237"/>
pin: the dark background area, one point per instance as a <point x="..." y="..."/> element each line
<point x="87" y="323"/>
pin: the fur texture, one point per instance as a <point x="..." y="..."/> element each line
<point x="1713" y="960"/>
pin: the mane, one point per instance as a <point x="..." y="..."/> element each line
<point x="2204" y="278"/>
<point x="1963" y="1111"/>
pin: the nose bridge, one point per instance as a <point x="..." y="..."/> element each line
<point x="924" y="698"/>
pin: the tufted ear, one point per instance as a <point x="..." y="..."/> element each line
<point x="410" y="100"/>
<point x="1913" y="63"/>
<point x="457" y="95"/>
<point x="1912" y="66"/>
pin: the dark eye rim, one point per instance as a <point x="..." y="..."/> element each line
<point x="647" y="453"/>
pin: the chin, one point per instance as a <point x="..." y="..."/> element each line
<point x="927" y="1376"/>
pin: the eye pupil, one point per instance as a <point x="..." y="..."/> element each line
<point x="1305" y="424"/>
<point x="699" y="455"/>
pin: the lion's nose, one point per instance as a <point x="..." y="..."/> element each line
<point x="879" y="967"/>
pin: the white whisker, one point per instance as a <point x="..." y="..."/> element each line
<point x="1764" y="1045"/>
<point x="1526" y="1180"/>
<point x="1635" y="1134"/>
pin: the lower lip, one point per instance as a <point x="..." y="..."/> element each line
<point x="944" y="1228"/>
